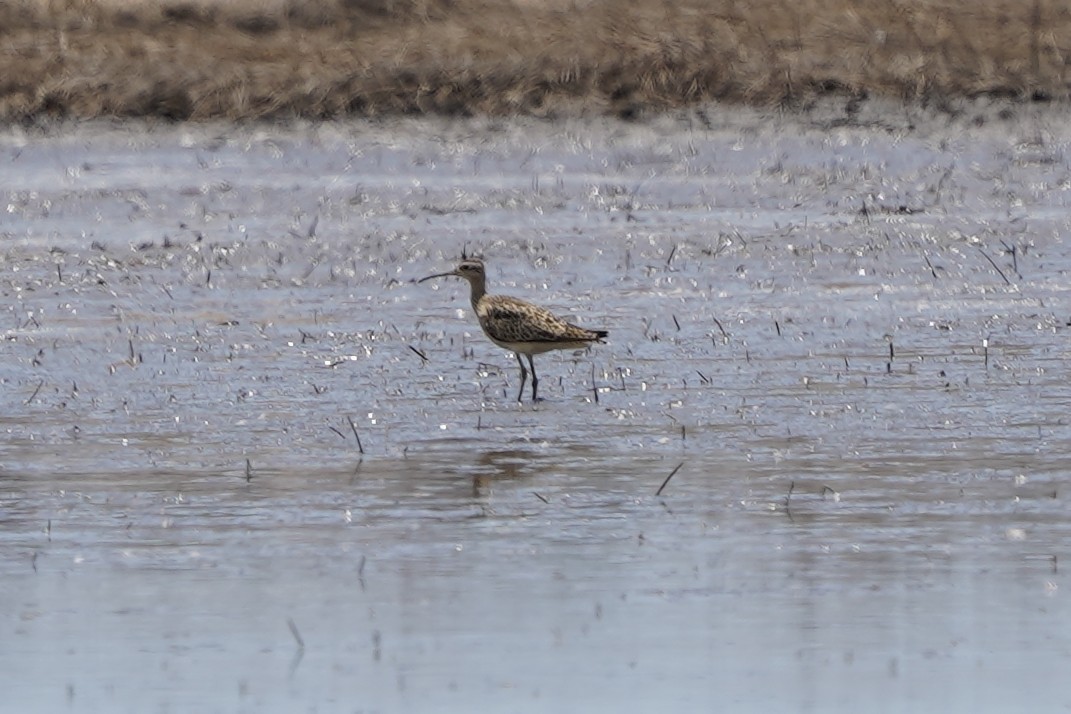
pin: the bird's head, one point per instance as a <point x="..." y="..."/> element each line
<point x="470" y="269"/>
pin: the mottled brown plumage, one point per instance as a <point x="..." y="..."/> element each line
<point x="519" y="326"/>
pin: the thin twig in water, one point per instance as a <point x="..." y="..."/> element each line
<point x="295" y="633"/>
<point x="933" y="270"/>
<point x="354" y="427"/>
<point x="421" y="355"/>
<point x="248" y="470"/>
<point x="995" y="266"/>
<point x="1010" y="250"/>
<point x="340" y="434"/>
<point x="39" y="385"/>
<point x="723" y="332"/>
<point x="671" y="474"/>
<point x="788" y="500"/>
<point x="295" y="662"/>
<point x="594" y="389"/>
<point x="540" y="497"/>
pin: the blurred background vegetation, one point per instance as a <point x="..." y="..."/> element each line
<point x="243" y="59"/>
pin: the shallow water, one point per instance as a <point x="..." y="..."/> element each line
<point x="852" y="341"/>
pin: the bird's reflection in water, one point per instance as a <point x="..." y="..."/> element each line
<point x="498" y="465"/>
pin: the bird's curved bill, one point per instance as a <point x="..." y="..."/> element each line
<point x="440" y="275"/>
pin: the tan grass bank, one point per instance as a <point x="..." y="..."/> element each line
<point x="240" y="59"/>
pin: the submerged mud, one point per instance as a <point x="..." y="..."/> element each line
<point x="228" y="406"/>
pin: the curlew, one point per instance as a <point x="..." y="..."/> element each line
<point x="519" y="326"/>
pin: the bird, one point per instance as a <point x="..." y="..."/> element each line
<point x="519" y="326"/>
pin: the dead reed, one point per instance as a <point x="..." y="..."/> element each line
<point x="253" y="59"/>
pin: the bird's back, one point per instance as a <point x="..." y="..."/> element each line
<point x="521" y="326"/>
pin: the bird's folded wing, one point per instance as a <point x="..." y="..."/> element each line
<point x="519" y="320"/>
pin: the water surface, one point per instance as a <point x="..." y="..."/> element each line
<point x="852" y="341"/>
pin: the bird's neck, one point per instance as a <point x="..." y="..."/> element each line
<point x="478" y="291"/>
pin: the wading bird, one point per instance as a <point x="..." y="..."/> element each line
<point x="519" y="326"/>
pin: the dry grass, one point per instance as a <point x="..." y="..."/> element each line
<point x="204" y="59"/>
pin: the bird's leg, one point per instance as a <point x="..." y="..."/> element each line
<point x="524" y="375"/>
<point x="535" y="379"/>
